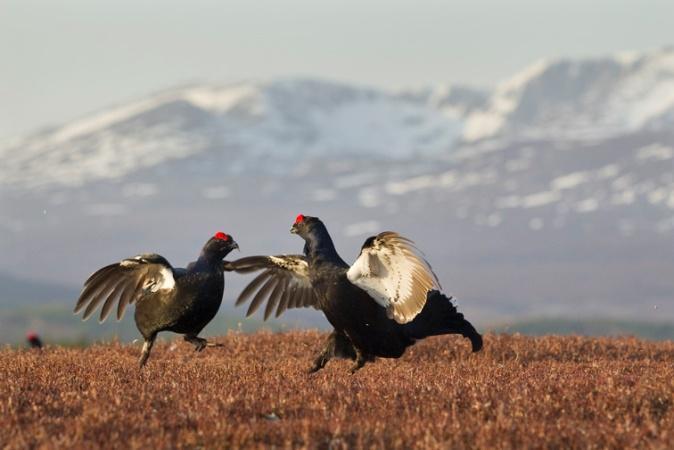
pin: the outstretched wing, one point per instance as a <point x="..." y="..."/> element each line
<point x="395" y="274"/>
<point x="284" y="283"/>
<point x="124" y="283"/>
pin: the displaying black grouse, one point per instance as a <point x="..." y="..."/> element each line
<point x="183" y="301"/>
<point x="379" y="306"/>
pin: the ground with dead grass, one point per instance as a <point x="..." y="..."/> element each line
<point x="519" y="392"/>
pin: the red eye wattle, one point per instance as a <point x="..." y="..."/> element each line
<point x="222" y="236"/>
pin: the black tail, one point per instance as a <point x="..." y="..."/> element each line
<point x="440" y="316"/>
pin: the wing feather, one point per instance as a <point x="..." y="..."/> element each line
<point x="305" y="299"/>
<point x="112" y="298"/>
<point x="282" y="304"/>
<point x="124" y="283"/>
<point x="395" y="274"/>
<point x="275" y="296"/>
<point x="261" y="295"/>
<point x="127" y="296"/>
<point x="100" y="274"/>
<point x="299" y="298"/>
<point x="283" y="284"/>
<point x="252" y="287"/>
<point x="92" y="284"/>
<point x="99" y="296"/>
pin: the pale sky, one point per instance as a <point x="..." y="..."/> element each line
<point x="62" y="59"/>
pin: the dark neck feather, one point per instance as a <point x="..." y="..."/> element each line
<point x="208" y="258"/>
<point x="318" y="244"/>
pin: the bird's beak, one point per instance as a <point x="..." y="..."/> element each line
<point x="293" y="229"/>
<point x="236" y="246"/>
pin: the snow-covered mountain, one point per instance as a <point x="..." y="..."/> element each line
<point x="570" y="99"/>
<point x="256" y="125"/>
<point x="248" y="125"/>
<point x="551" y="194"/>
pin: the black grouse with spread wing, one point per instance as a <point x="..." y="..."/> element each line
<point x="379" y="306"/>
<point x="183" y="301"/>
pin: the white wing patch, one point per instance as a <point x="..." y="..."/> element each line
<point x="395" y="274"/>
<point x="164" y="281"/>
<point x="167" y="282"/>
<point x="292" y="263"/>
<point x="155" y="280"/>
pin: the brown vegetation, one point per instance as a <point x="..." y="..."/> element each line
<point x="520" y="392"/>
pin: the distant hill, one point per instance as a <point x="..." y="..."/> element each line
<point x="16" y="291"/>
<point x="47" y="308"/>
<point x="56" y="324"/>
<point x="591" y="327"/>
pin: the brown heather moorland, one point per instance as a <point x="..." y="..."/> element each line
<point x="520" y="392"/>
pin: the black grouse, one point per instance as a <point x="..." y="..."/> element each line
<point x="183" y="301"/>
<point x="379" y="306"/>
<point x="33" y="340"/>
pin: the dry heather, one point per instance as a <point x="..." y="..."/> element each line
<point x="520" y="392"/>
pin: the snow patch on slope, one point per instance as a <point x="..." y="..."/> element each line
<point x="266" y="126"/>
<point x="571" y="99"/>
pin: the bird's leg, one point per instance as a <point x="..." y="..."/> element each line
<point x="361" y="359"/>
<point x="326" y="355"/>
<point x="147" y="348"/>
<point x="200" y="343"/>
<point x="344" y="348"/>
<point x="321" y="360"/>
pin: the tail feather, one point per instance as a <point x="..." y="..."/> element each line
<point x="439" y="317"/>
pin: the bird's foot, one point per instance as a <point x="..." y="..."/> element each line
<point x="142" y="360"/>
<point x="356" y="367"/>
<point x="319" y="363"/>
<point x="201" y="343"/>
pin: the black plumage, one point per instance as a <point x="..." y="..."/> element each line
<point x="363" y="329"/>
<point x="34" y="340"/>
<point x="180" y="300"/>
